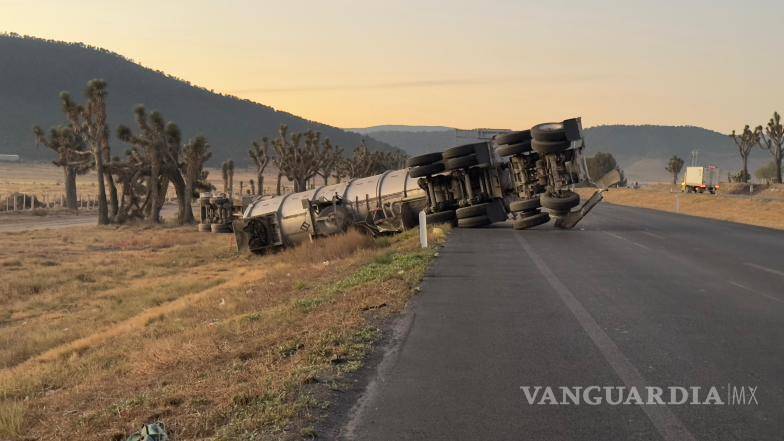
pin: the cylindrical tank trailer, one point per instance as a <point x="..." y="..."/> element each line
<point x="513" y="176"/>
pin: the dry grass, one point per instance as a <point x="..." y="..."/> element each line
<point x="111" y="328"/>
<point x="46" y="181"/>
<point x="766" y="209"/>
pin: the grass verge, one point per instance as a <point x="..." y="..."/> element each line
<point x="760" y="212"/>
<point x="112" y="328"/>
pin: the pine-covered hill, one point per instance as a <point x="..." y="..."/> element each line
<point x="34" y="71"/>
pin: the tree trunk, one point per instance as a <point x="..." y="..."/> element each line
<point x="746" y="175"/>
<point x="260" y="183"/>
<point x="155" y="173"/>
<point x="103" y="209"/>
<point x="113" y="201"/>
<point x="778" y="168"/>
<point x="277" y="186"/>
<point x="184" y="200"/>
<point x="107" y="157"/>
<point x="70" y="188"/>
<point x="674" y="179"/>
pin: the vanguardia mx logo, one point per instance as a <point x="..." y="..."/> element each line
<point x="649" y="395"/>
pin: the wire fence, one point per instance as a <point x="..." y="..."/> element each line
<point x="22" y="201"/>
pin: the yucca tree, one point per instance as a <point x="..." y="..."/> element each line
<point x="260" y="155"/>
<point x="196" y="154"/>
<point x="297" y="161"/>
<point x="364" y="163"/>
<point x="150" y="146"/>
<point x="772" y="141"/>
<point x="227" y="169"/>
<point x="90" y="122"/>
<point x="674" y="166"/>
<point x="746" y="142"/>
<point x="72" y="155"/>
<point x="329" y="160"/>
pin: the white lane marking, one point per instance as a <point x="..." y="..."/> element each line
<point x="755" y="292"/>
<point x="760" y="267"/>
<point x="666" y="423"/>
<point x="653" y="234"/>
<point x="627" y="240"/>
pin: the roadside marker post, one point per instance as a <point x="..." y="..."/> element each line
<point x="423" y="229"/>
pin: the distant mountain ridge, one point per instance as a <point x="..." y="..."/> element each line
<point x="34" y="71"/>
<point x="641" y="150"/>
<point x="399" y="128"/>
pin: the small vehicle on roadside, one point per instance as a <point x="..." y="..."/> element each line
<point x="701" y="179"/>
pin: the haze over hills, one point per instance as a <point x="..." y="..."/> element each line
<point x="642" y="151"/>
<point x="399" y="128"/>
<point x="34" y="71"/>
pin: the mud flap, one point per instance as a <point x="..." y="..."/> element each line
<point x="241" y="237"/>
<point x="571" y="219"/>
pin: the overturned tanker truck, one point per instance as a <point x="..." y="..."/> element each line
<point x="512" y="177"/>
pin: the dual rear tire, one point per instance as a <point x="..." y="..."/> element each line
<point x="473" y="216"/>
<point x="220" y="228"/>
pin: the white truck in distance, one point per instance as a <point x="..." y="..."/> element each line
<point x="701" y="179"/>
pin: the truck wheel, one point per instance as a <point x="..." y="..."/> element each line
<point x="426" y="170"/>
<point x="524" y="205"/>
<point x="461" y="150"/>
<point x="204" y="228"/>
<point x="549" y="132"/>
<point x="514" y="149"/>
<point x="550" y="147"/>
<point x="462" y="162"/>
<point x="220" y="228"/>
<point x="513" y="137"/>
<point x="472" y="211"/>
<point x="531" y="221"/>
<point x="566" y="202"/>
<point x="425" y="159"/>
<point x="473" y="222"/>
<point x="442" y="217"/>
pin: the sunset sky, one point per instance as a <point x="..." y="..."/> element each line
<point x="506" y="64"/>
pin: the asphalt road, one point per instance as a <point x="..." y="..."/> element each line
<point x="633" y="298"/>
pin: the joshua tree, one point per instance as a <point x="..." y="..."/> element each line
<point x="196" y="153"/>
<point x="156" y="159"/>
<point x="298" y="162"/>
<point x="745" y="142"/>
<point x="365" y="163"/>
<point x="89" y="122"/>
<point x="674" y="166"/>
<point x="228" y="176"/>
<point x="72" y="156"/>
<point x="772" y="141"/>
<point x="259" y="153"/>
<point x="330" y="158"/>
<point x="157" y="142"/>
